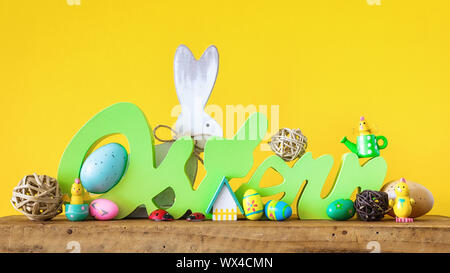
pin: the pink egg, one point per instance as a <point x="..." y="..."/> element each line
<point x="103" y="209"/>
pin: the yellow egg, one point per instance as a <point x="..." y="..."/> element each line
<point x="253" y="206"/>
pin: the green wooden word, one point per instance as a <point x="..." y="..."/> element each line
<point x="351" y="176"/>
<point x="142" y="180"/>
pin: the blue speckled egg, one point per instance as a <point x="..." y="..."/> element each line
<point x="104" y="168"/>
<point x="341" y="209"/>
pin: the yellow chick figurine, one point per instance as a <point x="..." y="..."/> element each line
<point x="79" y="196"/>
<point x="364" y="128"/>
<point x="402" y="204"/>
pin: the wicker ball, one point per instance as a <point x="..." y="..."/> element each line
<point x="288" y="143"/>
<point x="38" y="197"/>
<point x="371" y="205"/>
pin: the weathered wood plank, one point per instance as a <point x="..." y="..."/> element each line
<point x="426" y="234"/>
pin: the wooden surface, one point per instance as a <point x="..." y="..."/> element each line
<point x="426" y="234"/>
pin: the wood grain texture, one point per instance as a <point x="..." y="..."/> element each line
<point x="426" y="234"/>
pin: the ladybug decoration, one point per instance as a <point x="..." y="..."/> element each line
<point x="195" y="217"/>
<point x="160" y="215"/>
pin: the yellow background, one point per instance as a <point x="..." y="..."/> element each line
<point x="325" y="63"/>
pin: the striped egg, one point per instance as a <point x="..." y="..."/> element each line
<point x="277" y="210"/>
<point x="253" y="206"/>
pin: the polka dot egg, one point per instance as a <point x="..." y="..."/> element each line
<point x="341" y="209"/>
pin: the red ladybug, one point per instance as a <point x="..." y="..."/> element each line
<point x="195" y="217"/>
<point x="160" y="215"/>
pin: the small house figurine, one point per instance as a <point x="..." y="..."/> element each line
<point x="224" y="204"/>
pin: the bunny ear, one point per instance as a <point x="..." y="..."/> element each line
<point x="194" y="80"/>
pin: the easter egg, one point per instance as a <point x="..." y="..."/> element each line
<point x="277" y="210"/>
<point x="423" y="198"/>
<point x="103" y="209"/>
<point x="104" y="167"/>
<point x="253" y="206"/>
<point x="341" y="209"/>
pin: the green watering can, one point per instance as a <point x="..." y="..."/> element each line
<point x="366" y="143"/>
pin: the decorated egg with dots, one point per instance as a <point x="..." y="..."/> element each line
<point x="341" y="209"/>
<point x="253" y="206"/>
<point x="104" y="168"/>
<point x="277" y="210"/>
<point x="103" y="209"/>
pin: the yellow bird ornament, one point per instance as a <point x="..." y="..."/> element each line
<point x="402" y="205"/>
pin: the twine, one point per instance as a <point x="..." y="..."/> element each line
<point x="288" y="143"/>
<point x="371" y="205"/>
<point x="38" y="197"/>
<point x="197" y="149"/>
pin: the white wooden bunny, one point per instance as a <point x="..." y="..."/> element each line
<point x="194" y="81"/>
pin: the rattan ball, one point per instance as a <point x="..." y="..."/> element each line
<point x="288" y="143"/>
<point x="371" y="205"/>
<point x="38" y="197"/>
